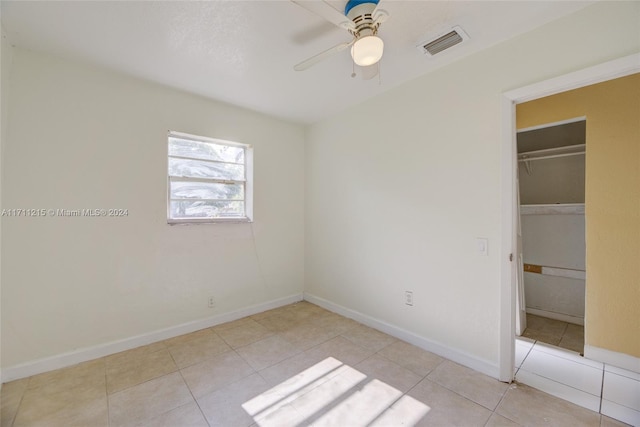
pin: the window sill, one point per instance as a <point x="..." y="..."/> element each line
<point x="201" y="221"/>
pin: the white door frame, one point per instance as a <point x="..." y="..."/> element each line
<point x="599" y="73"/>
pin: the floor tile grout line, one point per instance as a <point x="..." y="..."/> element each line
<point x="513" y="385"/>
<point x="601" y="391"/>
<point x="13" y="420"/>
<point x="526" y="355"/>
<point x="377" y="417"/>
<point x="600" y="396"/>
<point x="178" y="370"/>
<point x="273" y="364"/>
<point x="580" y="361"/>
<point x="504" y="395"/>
<point x="264" y="379"/>
<point x="106" y="394"/>
<point x="558" y="382"/>
<point x="206" y="420"/>
<point x="24" y="392"/>
<point x="454" y="392"/>
<point x="374" y="352"/>
<point x="618" y="374"/>
<point x="622" y="405"/>
<point x="283" y="399"/>
<point x="144" y="382"/>
<point x="222" y="338"/>
<point x="506" y="390"/>
<point x="465" y="397"/>
<point x="564" y="331"/>
<point x="351" y="391"/>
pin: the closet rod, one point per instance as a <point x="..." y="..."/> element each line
<point x="552" y="153"/>
<point x="550" y="156"/>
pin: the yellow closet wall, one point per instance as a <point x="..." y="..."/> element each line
<point x="612" y="199"/>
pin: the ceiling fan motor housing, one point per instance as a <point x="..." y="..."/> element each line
<point x="361" y="13"/>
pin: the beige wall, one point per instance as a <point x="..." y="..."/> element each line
<point x="612" y="203"/>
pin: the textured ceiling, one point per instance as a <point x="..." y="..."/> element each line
<point x="243" y="52"/>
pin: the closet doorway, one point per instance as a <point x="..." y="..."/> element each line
<point x="551" y="186"/>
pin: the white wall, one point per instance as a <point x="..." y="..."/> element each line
<point x="559" y="180"/>
<point x="83" y="137"/>
<point x="396" y="191"/>
<point x="399" y="187"/>
<point x="554" y="240"/>
<point x="5" y="68"/>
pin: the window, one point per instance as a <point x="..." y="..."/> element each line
<point x="209" y="180"/>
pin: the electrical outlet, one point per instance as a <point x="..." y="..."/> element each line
<point x="408" y="297"/>
<point x="212" y="302"/>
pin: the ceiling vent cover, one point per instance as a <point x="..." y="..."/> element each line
<point x="443" y="41"/>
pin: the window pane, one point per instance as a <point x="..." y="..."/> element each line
<point x="205" y="150"/>
<point x="207" y="209"/>
<point x="200" y="169"/>
<point x="206" y="190"/>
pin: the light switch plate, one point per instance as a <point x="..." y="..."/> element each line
<point x="483" y="246"/>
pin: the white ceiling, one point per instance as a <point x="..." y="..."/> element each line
<point x="243" y="52"/>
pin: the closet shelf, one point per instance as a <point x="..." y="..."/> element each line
<point x="552" y="153"/>
<point x="569" y="273"/>
<point x="554" y="209"/>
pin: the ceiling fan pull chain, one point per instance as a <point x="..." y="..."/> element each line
<point x="353" y="69"/>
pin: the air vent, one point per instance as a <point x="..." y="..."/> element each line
<point x="443" y="42"/>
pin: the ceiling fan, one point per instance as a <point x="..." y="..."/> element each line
<point x="361" y="18"/>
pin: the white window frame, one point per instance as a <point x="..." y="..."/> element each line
<point x="247" y="183"/>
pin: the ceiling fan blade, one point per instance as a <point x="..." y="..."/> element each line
<point x="322" y="55"/>
<point x="379" y="16"/>
<point x="326" y="11"/>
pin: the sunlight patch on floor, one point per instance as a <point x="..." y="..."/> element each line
<point x="331" y="393"/>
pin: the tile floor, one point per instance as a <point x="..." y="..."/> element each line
<point x="612" y="391"/>
<point x="296" y="365"/>
<point x="555" y="332"/>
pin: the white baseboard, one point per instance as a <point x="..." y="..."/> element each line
<point x="557" y="316"/>
<point x="621" y="360"/>
<point x="468" y="360"/>
<point x="39" y="366"/>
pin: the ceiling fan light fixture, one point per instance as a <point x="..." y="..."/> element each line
<point x="367" y="50"/>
